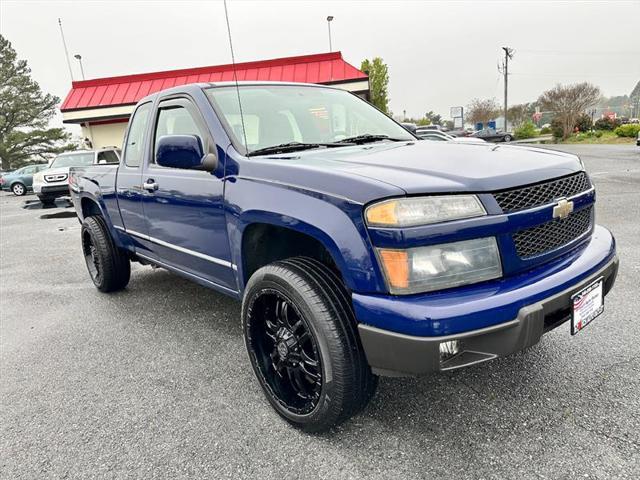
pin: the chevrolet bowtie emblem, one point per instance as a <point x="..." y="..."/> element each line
<point x="562" y="209"/>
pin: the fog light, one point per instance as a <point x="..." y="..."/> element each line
<point x="449" y="349"/>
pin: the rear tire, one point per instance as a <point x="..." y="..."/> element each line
<point x="18" y="189"/>
<point x="108" y="266"/>
<point x="302" y="341"/>
<point x="507" y="138"/>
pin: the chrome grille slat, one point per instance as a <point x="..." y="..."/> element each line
<point x="531" y="196"/>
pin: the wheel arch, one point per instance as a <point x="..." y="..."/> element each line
<point x="266" y="237"/>
<point x="87" y="206"/>
<point x="266" y="242"/>
<point x="334" y="222"/>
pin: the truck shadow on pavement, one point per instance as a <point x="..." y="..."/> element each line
<point x="38" y="205"/>
<point x="465" y="402"/>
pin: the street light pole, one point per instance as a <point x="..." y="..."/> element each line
<point x="78" y="57"/>
<point x="329" y="20"/>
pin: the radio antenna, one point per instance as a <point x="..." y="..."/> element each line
<point x="235" y="76"/>
<point x="66" y="52"/>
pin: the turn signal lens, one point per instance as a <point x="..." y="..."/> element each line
<point x="383" y="214"/>
<point x="396" y="267"/>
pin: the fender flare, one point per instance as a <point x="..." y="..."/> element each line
<point x="97" y="201"/>
<point x="335" y="223"/>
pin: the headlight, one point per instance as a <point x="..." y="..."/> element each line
<point x="412" y="211"/>
<point x="436" y="267"/>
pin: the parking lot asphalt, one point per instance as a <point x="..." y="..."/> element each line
<point x="154" y="382"/>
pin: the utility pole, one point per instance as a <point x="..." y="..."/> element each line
<point x="508" y="54"/>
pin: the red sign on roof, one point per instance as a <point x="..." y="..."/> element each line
<point x="128" y="89"/>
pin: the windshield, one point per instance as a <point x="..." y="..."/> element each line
<point x="281" y="114"/>
<point x="73" y="160"/>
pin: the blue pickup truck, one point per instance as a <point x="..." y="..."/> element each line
<point x="357" y="250"/>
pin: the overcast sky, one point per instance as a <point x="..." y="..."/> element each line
<point x="440" y="54"/>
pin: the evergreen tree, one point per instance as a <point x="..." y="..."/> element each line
<point x="25" y="112"/>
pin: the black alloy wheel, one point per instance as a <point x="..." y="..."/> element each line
<point x="91" y="257"/>
<point x="302" y="340"/>
<point x="286" y="352"/>
<point x="109" y="267"/>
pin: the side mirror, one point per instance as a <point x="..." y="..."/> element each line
<point x="183" y="151"/>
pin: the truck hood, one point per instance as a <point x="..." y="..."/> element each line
<point x="54" y="171"/>
<point x="415" y="167"/>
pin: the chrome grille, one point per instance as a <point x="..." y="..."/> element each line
<point x="56" y="177"/>
<point x="551" y="235"/>
<point x="542" y="193"/>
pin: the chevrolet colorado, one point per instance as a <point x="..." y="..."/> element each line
<point x="356" y="250"/>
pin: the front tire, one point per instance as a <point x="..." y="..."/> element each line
<point x="302" y="341"/>
<point x="108" y="266"/>
<point x="18" y="189"/>
<point x="47" y="201"/>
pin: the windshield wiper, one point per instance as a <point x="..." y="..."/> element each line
<point x="368" y="138"/>
<point x="290" y="147"/>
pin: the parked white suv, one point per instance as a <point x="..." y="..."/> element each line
<point x="53" y="182"/>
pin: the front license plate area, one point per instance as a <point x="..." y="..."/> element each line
<point x="586" y="305"/>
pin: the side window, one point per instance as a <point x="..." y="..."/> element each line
<point x="175" y="120"/>
<point x="28" y="170"/>
<point x="108" y="156"/>
<point x="134" y="148"/>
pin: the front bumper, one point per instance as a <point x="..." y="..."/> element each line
<point x="506" y="318"/>
<point x="51" y="191"/>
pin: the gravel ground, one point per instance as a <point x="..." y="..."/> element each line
<point x="154" y="381"/>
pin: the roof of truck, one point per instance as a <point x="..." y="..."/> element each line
<point x="324" y="68"/>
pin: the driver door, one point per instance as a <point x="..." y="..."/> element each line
<point x="185" y="208"/>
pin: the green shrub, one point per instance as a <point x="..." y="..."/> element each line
<point x="545" y="131"/>
<point x="585" y="135"/>
<point x="557" y="129"/>
<point x="628" y="130"/>
<point x="526" y="130"/>
<point x="606" y="123"/>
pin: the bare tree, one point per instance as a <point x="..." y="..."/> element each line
<point x="568" y="102"/>
<point x="518" y="114"/>
<point x="482" y="110"/>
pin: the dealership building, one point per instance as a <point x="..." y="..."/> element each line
<point x="102" y="106"/>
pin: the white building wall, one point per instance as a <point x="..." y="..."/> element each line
<point x="105" y="135"/>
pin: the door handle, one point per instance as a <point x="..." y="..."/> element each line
<point x="150" y="185"/>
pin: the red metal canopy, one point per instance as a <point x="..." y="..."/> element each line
<point x="128" y="89"/>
